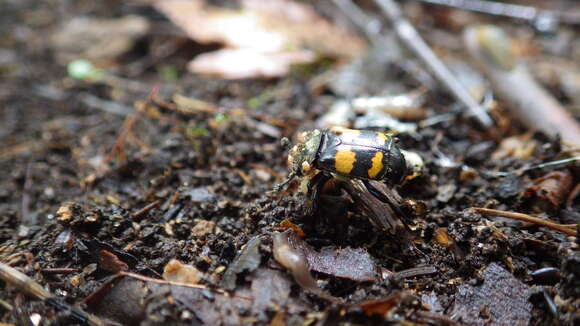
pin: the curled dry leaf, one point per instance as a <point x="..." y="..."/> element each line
<point x="289" y="225"/>
<point x="110" y="262"/>
<point x="175" y="271"/>
<point x="521" y="146"/>
<point x="262" y="39"/>
<point x="550" y="191"/>
<point x="65" y="213"/>
<point x="384" y="306"/>
<point x="442" y="238"/>
<point x="203" y="227"/>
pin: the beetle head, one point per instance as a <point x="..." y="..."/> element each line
<point x="303" y="154"/>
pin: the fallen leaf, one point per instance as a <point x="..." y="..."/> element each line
<point x="354" y="264"/>
<point x="382" y="307"/>
<point x="203" y="227"/>
<point x="177" y="272"/>
<point x="549" y="192"/>
<point x="247" y="63"/>
<point x="247" y="260"/>
<point x="261" y="39"/>
<point x="110" y="262"/>
<point x="501" y="300"/>
<point x="522" y="147"/>
<point x="286" y="224"/>
<point x="442" y="238"/>
<point x="121" y="299"/>
<point x="270" y="289"/>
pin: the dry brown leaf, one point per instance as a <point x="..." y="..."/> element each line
<point x="504" y="298"/>
<point x="549" y="191"/>
<point x="177" y="272"/>
<point x="338" y="262"/>
<point x="262" y="39"/>
<point x="203" y="227"/>
<point x="110" y="262"/>
<point x="384" y="306"/>
<point x="521" y="146"/>
<point x="247" y="63"/>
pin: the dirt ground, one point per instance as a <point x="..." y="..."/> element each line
<point x="103" y="184"/>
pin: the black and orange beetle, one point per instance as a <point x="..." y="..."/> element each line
<point x="345" y="154"/>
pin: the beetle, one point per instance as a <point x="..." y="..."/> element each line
<point x="345" y="154"/>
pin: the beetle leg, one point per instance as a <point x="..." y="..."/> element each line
<point x="384" y="198"/>
<point x="281" y="185"/>
<point x="314" y="186"/>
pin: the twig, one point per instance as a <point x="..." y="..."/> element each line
<point x="526" y="13"/>
<point x="562" y="162"/>
<point x="193" y="286"/>
<point x="415" y="271"/>
<point x="58" y="270"/>
<point x="31" y="288"/>
<point x="6" y="305"/>
<point x="555" y="163"/>
<point x="138" y="214"/>
<point x="371" y="26"/>
<point x="528" y="101"/>
<point x="568" y="229"/>
<point x="409" y="35"/>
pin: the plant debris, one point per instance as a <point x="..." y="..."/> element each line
<point x="259" y="38"/>
<point x="500" y="300"/>
<point x="134" y="192"/>
<point x="247" y="260"/>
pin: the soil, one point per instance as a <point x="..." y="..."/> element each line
<point x="86" y="193"/>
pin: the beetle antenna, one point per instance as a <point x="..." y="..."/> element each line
<point x="290" y="177"/>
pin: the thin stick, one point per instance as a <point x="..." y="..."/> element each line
<point x="415" y="271"/>
<point x="138" y="214"/>
<point x="409" y="35"/>
<point x="58" y="270"/>
<point x="555" y="163"/>
<point x="370" y="26"/>
<point x="194" y="286"/>
<point x="527" y="218"/>
<point x="28" y="286"/>
<point x="511" y="10"/>
<point x="528" y="101"/>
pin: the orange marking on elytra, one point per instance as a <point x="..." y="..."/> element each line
<point x="377" y="165"/>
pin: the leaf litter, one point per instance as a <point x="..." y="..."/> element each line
<point x="110" y="199"/>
